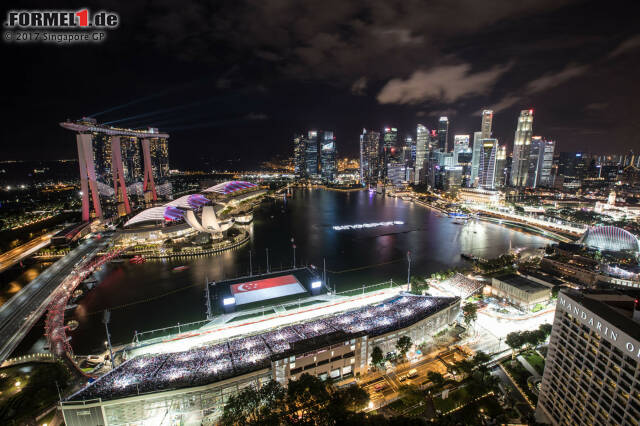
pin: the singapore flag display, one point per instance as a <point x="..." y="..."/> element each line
<point x="270" y="288"/>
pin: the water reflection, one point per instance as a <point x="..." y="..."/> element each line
<point x="152" y="295"/>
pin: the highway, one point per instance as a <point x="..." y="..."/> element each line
<point x="23" y="310"/>
<point x="15" y="255"/>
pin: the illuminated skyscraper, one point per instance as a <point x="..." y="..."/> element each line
<point x="521" y="149"/>
<point x="299" y="148"/>
<point x="422" y="147"/>
<point x="408" y="151"/>
<point x="443" y="134"/>
<point x="501" y="166"/>
<point x="487" y="119"/>
<point x="484" y="133"/>
<point x="464" y="160"/>
<point x="540" y="162"/>
<point x="593" y="361"/>
<point x="475" y="160"/>
<point x="390" y="154"/>
<point x="369" y="157"/>
<point x="328" y="157"/>
<point x="460" y="142"/>
<point x="311" y="153"/>
<point x="487" y="166"/>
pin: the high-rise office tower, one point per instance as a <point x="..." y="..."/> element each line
<point x="501" y="166"/>
<point x="593" y="361"/>
<point x="540" y="162"/>
<point x="460" y="142"/>
<point x="521" y="149"/>
<point x="408" y="151"/>
<point x="464" y="160"/>
<point x="390" y="154"/>
<point x="443" y="134"/>
<point x="369" y="157"/>
<point x="311" y="153"/>
<point x="422" y="147"/>
<point x="328" y="157"/>
<point x="571" y="169"/>
<point x="485" y="127"/>
<point x="299" y="159"/>
<point x="487" y="166"/>
<point x="475" y="160"/>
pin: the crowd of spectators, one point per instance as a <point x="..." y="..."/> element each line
<point x="204" y="365"/>
<point x="461" y="286"/>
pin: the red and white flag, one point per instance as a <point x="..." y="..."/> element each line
<point x="270" y="288"/>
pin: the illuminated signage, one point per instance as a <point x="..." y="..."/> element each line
<point x="603" y="328"/>
<point x="228" y="301"/>
<point x="316" y="284"/>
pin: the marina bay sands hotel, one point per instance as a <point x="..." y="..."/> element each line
<point x="122" y="168"/>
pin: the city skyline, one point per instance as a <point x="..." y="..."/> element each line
<point x="251" y="90"/>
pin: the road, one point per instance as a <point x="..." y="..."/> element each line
<point x="23" y="310"/>
<point x="10" y="258"/>
<point x="389" y="383"/>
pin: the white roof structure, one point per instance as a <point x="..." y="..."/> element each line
<point x="182" y="202"/>
<point x="154" y="214"/>
<point x="230" y="187"/>
<point x="173" y="210"/>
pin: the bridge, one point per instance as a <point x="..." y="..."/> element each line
<point x="23" y="310"/>
<point x="10" y="258"/>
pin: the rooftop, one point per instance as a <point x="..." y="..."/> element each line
<point x="522" y="283"/>
<point x="613" y="306"/>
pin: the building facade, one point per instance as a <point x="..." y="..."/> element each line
<point x="120" y="169"/>
<point x="592" y="370"/>
<point x="328" y="157"/>
<point x="337" y="355"/>
<point x="521" y="149"/>
<point x="443" y="134"/>
<point x="487" y="165"/>
<point x="311" y="153"/>
<point x="540" y="163"/>
<point x="299" y="159"/>
<point x="520" y="290"/>
<point x="422" y="149"/>
<point x="369" y="157"/>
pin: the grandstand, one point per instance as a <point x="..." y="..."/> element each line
<point x="205" y="365"/>
<point x="459" y="286"/>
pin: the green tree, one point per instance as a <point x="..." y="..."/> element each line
<point x="255" y="406"/>
<point x="469" y="313"/>
<point x="410" y="395"/>
<point x="546" y="329"/>
<point x="436" y="378"/>
<point x="344" y="402"/>
<point x="480" y="358"/>
<point x="515" y="341"/>
<point x="403" y="345"/>
<point x="307" y="399"/>
<point x="377" y="357"/>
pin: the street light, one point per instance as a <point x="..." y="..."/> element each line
<point x="106" y="317"/>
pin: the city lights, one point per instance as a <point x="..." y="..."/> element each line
<point x="367" y="225"/>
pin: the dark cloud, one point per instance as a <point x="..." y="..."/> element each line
<point x="333" y="64"/>
<point x="626" y="46"/>
<point x="540" y="84"/>
<point x="446" y="84"/>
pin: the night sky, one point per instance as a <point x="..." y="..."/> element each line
<point x="235" y="79"/>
